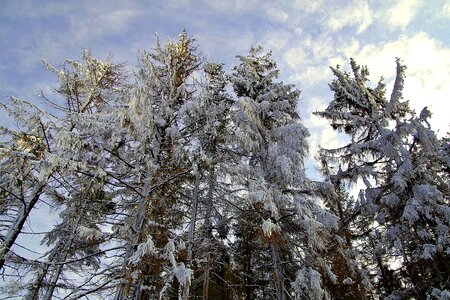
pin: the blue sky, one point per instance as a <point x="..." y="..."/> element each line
<point x="305" y="36"/>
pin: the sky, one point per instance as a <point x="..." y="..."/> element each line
<point x="305" y="37"/>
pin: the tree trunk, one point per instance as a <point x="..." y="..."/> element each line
<point x="207" y="228"/>
<point x="185" y="292"/>
<point x="122" y="290"/>
<point x="279" y="276"/>
<point x="16" y="228"/>
<point x="193" y="217"/>
<point x="63" y="256"/>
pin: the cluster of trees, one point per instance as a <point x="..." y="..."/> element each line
<point x="183" y="182"/>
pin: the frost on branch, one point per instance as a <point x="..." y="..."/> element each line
<point x="143" y="249"/>
<point x="308" y="283"/>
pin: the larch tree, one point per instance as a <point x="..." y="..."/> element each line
<point x="76" y="162"/>
<point x="155" y="138"/>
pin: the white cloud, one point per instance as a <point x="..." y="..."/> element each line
<point x="276" y="39"/>
<point x="232" y="6"/>
<point x="276" y="14"/>
<point x="446" y="9"/>
<point x="311" y="59"/>
<point x="100" y="22"/>
<point x="296" y="57"/>
<point x="402" y="13"/>
<point x="308" y="5"/>
<point x="322" y="134"/>
<point x="311" y="51"/>
<point x="357" y="14"/>
<point x="310" y="75"/>
<point x="215" y="46"/>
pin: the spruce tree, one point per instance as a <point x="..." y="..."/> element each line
<point x="405" y="199"/>
<point x="293" y="226"/>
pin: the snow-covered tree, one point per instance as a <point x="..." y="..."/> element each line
<point x="154" y="139"/>
<point x="209" y="125"/>
<point x="405" y="202"/>
<point x="76" y="161"/>
<point x="180" y="181"/>
<point x="23" y="175"/>
<point x="293" y="226"/>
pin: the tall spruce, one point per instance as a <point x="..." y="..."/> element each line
<point x="405" y="201"/>
<point x="291" y="224"/>
<point x="209" y="123"/>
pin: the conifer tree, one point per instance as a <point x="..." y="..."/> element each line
<point x="208" y="121"/>
<point x="154" y="137"/>
<point x="405" y="202"/>
<point x="76" y="162"/>
<point x="185" y="182"/>
<point x="293" y="226"/>
<point x="22" y="176"/>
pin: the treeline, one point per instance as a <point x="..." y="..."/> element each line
<point x="180" y="181"/>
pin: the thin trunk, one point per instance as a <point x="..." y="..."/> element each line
<point x="33" y="294"/>
<point x="185" y="293"/>
<point x="16" y="228"/>
<point x="206" y="278"/>
<point x="208" y="230"/>
<point x="63" y="256"/>
<point x="38" y="283"/>
<point x="209" y="205"/>
<point x="278" y="268"/>
<point x="193" y="217"/>
<point x="122" y="290"/>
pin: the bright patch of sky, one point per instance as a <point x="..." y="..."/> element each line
<point x="306" y="37"/>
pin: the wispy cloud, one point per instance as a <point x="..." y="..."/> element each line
<point x="356" y="14"/>
<point x="276" y="14"/>
<point x="402" y="13"/>
<point x="306" y="36"/>
<point x="309" y="6"/>
<point x="446" y="9"/>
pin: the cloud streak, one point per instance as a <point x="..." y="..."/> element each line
<point x="306" y="38"/>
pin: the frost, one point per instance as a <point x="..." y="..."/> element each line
<point x="268" y="227"/>
<point x="347" y="281"/>
<point x="273" y="209"/>
<point x="410" y="213"/>
<point x="143" y="249"/>
<point x="437" y="294"/>
<point x="183" y="274"/>
<point x="308" y="281"/>
<point x="428" y="251"/>
<point x="89" y="234"/>
<point x="12" y="288"/>
<point x="390" y="200"/>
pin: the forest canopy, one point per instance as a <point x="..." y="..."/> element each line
<point x="181" y="180"/>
